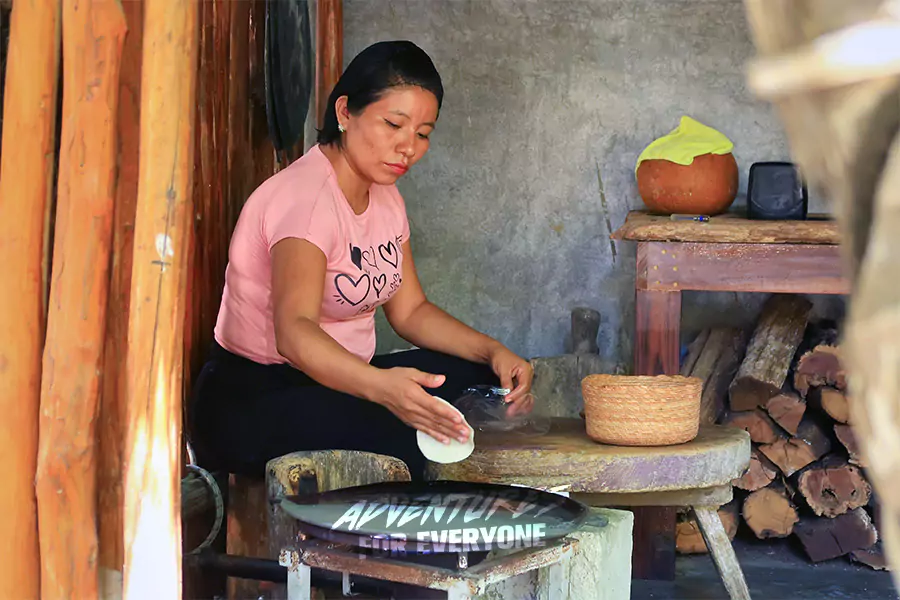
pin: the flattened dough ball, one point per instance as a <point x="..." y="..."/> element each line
<point x="453" y="452"/>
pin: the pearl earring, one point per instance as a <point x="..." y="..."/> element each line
<point x="341" y="128"/>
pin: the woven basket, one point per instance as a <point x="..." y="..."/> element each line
<point x="642" y="411"/>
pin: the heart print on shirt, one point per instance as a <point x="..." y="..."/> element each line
<point x="376" y="279"/>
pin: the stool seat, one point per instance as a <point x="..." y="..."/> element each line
<point x="566" y="459"/>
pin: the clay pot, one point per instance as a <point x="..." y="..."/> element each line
<point x="705" y="187"/>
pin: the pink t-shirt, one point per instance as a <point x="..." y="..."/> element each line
<point x="363" y="252"/>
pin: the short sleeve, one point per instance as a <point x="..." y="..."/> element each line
<point x="401" y="210"/>
<point x="314" y="221"/>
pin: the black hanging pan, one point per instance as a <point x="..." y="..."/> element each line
<point x="289" y="70"/>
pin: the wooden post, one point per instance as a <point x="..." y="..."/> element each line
<point x="329" y="51"/>
<point x="66" y="479"/>
<point x="111" y="421"/>
<point x="156" y="322"/>
<point x="26" y="172"/>
<point x="656" y="352"/>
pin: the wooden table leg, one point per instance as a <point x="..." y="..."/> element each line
<point x="656" y="352"/>
<point x="722" y="553"/>
<point x="656" y="332"/>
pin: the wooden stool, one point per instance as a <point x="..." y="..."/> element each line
<point x="696" y="475"/>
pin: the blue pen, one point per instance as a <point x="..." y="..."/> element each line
<point x="697" y="218"/>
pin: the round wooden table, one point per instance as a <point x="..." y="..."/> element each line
<point x="697" y="474"/>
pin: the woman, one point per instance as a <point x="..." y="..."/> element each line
<point x="317" y="248"/>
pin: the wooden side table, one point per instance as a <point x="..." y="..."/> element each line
<point x="727" y="254"/>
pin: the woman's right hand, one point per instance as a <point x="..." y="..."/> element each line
<point x="400" y="390"/>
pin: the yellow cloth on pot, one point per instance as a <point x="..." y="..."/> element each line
<point x="691" y="138"/>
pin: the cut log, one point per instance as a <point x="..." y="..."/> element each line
<point x="769" y="512"/>
<point x="872" y="557"/>
<point x="761" y="427"/>
<point x="820" y="366"/>
<point x="833" y="487"/>
<point x="824" y="538"/>
<point x="759" y="474"/>
<point x="770" y="351"/>
<point x="693" y="352"/>
<point x="689" y="540"/>
<point x="790" y="454"/>
<point x="831" y="401"/>
<point x="26" y="175"/>
<point x="152" y="530"/>
<point x="847" y="438"/>
<point x="715" y="366"/>
<point x="66" y="478"/>
<point x="787" y="410"/>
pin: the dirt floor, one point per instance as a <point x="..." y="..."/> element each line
<point x="775" y="570"/>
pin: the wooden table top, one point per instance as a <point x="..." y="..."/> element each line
<point x="565" y="459"/>
<point x="641" y="226"/>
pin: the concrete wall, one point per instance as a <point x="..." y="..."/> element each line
<point x="548" y="104"/>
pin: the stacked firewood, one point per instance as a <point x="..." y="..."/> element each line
<point x="784" y="384"/>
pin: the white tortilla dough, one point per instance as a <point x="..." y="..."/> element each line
<point x="453" y="452"/>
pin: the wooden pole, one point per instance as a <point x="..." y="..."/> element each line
<point x="26" y="172"/>
<point x="111" y="421"/>
<point x="66" y="482"/>
<point x="329" y="51"/>
<point x="156" y="323"/>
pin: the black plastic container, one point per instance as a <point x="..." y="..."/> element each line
<point x="776" y="191"/>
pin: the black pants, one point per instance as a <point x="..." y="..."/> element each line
<point x="243" y="413"/>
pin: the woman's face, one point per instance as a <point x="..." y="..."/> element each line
<point x="390" y="135"/>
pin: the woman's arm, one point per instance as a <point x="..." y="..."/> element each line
<point x="298" y="282"/>
<point x="425" y="325"/>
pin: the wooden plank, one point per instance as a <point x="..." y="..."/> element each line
<point x="111" y="419"/>
<point x="247" y="530"/>
<point x="775" y="268"/>
<point x="66" y="478"/>
<point x="329" y="51"/>
<point x="211" y="229"/>
<point x="240" y="149"/>
<point x="641" y="226"/>
<point x="156" y="323"/>
<point x="26" y="172"/>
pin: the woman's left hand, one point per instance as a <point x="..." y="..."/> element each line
<point x="515" y="374"/>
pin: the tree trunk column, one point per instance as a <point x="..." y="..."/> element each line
<point x="156" y="323"/>
<point x="26" y="173"/>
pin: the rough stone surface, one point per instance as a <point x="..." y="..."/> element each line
<point x="557" y="382"/>
<point x="547" y="107"/>
<point x="600" y="569"/>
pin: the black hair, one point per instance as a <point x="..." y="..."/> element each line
<point x="373" y="71"/>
